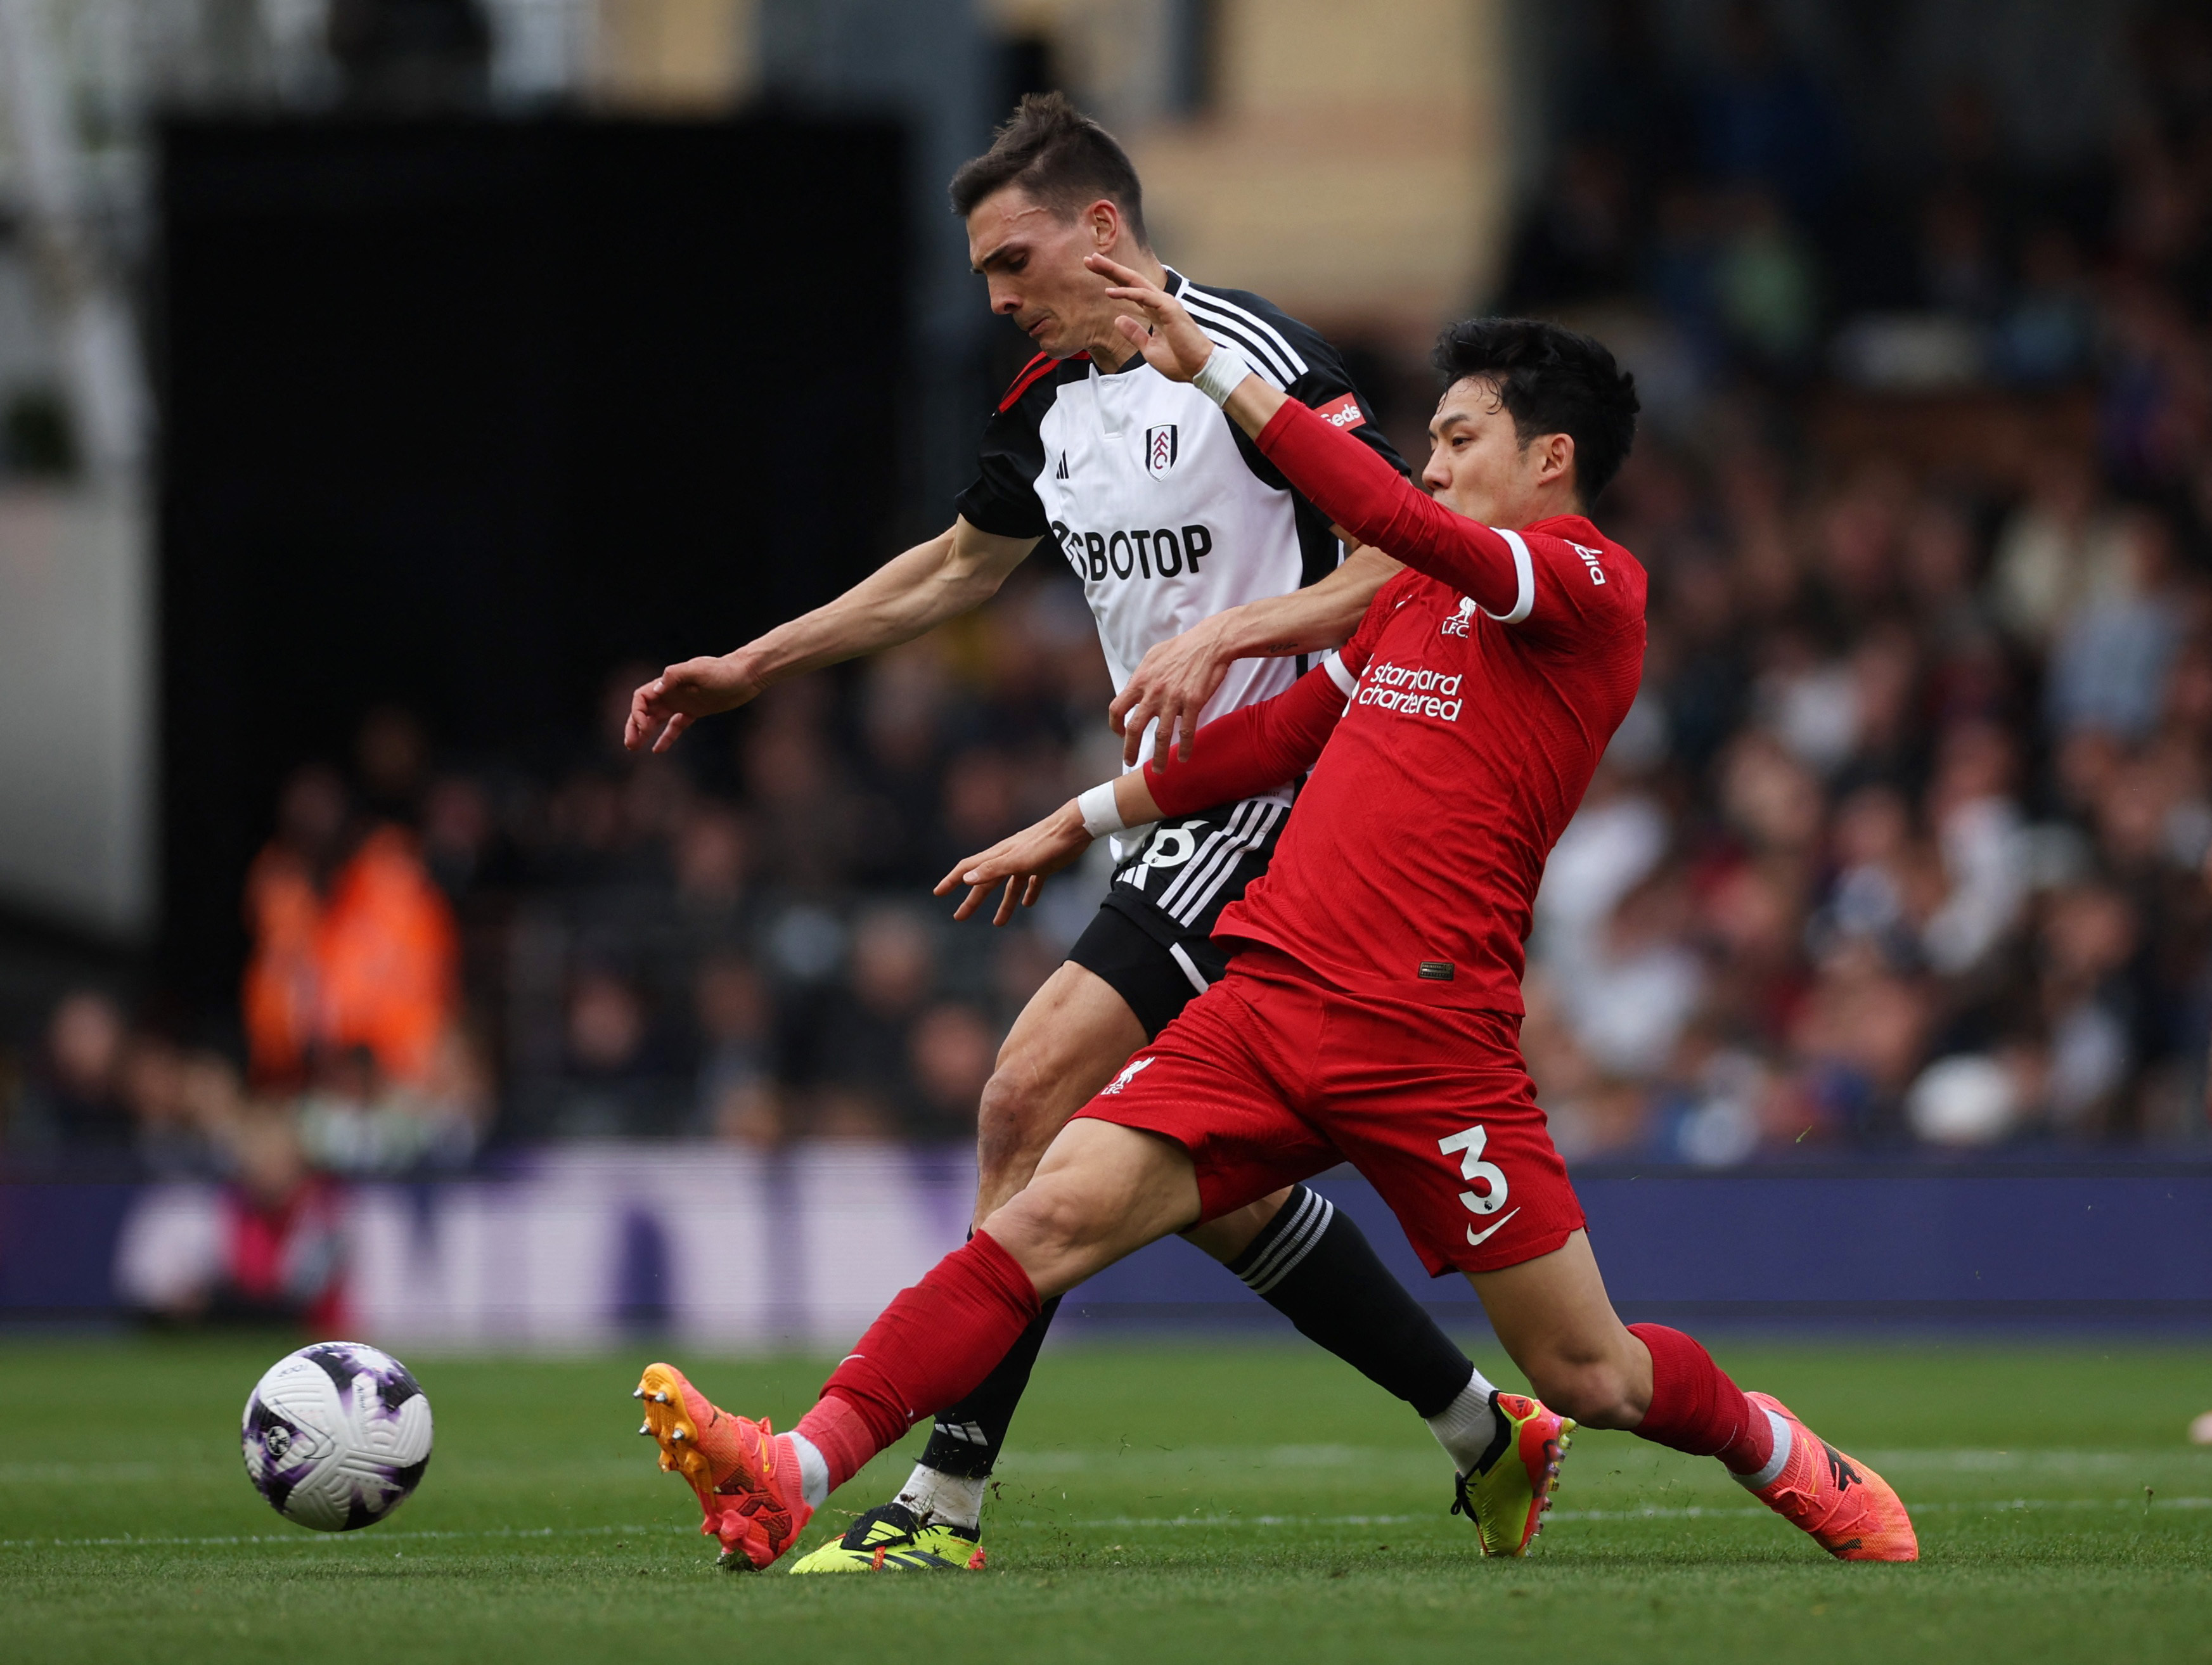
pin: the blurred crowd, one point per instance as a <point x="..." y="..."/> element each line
<point x="1906" y="838"/>
<point x="1904" y="845"/>
<point x="734" y="940"/>
<point x="1773" y="220"/>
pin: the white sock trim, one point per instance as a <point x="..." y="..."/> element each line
<point x="813" y="1471"/>
<point x="944" y="1499"/>
<point x="1767" y="1476"/>
<point x="1467" y="1426"/>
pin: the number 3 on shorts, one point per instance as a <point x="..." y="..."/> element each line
<point x="1472" y="1168"/>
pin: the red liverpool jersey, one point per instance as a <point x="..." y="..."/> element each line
<point x="1462" y="722"/>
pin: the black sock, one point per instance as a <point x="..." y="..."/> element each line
<point x="966" y="1439"/>
<point x="1315" y="1267"/>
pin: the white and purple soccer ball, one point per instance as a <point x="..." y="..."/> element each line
<point x="336" y="1435"/>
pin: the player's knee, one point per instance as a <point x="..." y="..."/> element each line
<point x="1591" y="1386"/>
<point x="1010" y="1124"/>
<point x="1053" y="1218"/>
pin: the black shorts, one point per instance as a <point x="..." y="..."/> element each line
<point x="1153" y="939"/>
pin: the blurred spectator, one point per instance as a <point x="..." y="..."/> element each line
<point x="618" y="1075"/>
<point x="2109" y="664"/>
<point x="1764" y="119"/>
<point x="385" y="956"/>
<point x="78" y="1098"/>
<point x="864" y="1041"/>
<point x="1765" y="285"/>
<point x="353" y="943"/>
<point x="2059" y="550"/>
<point x="949" y="1052"/>
<point x="2048" y="328"/>
<point x="903" y="707"/>
<point x="737" y="1092"/>
<point x="1581" y="241"/>
<point x="713" y="870"/>
<point x="355" y="1120"/>
<point x="458" y="831"/>
<point x="265" y="1248"/>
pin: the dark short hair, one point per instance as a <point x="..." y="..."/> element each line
<point x="1060" y="157"/>
<point x="1550" y="381"/>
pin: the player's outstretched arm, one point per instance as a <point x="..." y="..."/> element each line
<point x="909" y="594"/>
<point x="1250" y="750"/>
<point x="1023" y="862"/>
<point x="1178" y="676"/>
<point x="1347" y="481"/>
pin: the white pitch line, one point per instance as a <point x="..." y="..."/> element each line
<point x="308" y="1539"/>
<point x="1691" y="1512"/>
<point x="1695" y="1511"/>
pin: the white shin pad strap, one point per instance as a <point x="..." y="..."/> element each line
<point x="1767" y="1476"/>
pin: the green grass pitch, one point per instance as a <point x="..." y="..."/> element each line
<point x="1165" y="1502"/>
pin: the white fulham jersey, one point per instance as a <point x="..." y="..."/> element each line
<point x="1165" y="510"/>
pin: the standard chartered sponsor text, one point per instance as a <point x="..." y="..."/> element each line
<point x="1411" y="691"/>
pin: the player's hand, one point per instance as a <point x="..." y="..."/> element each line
<point x="1173" y="344"/>
<point x="664" y="707"/>
<point x="1170" y="688"/>
<point x="1023" y="862"/>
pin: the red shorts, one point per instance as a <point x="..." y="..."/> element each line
<point x="1272" y="1076"/>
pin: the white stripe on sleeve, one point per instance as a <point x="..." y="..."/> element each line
<point x="1524" y="579"/>
<point x="1220" y="304"/>
<point x="1346" y="682"/>
<point x="1262" y="365"/>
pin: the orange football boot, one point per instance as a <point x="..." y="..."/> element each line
<point x="1851" y="1512"/>
<point x="749" y="1488"/>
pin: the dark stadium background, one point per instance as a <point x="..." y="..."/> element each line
<point x="466" y="413"/>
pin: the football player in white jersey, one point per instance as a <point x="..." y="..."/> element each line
<point x="1212" y="581"/>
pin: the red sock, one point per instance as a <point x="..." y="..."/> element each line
<point x="836" y="1429"/>
<point x="932" y="1347"/>
<point x="1696" y="1408"/>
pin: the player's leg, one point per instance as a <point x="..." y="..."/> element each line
<point x="1068" y="1042"/>
<point x="1436" y="1107"/>
<point x="1109" y="1192"/>
<point x="1552" y="1316"/>
<point x="1293" y="1249"/>
<point x="1153" y="941"/>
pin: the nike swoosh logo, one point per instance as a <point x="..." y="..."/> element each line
<point x="1475" y="1238"/>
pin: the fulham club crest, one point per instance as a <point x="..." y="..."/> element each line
<point x="1159" y="450"/>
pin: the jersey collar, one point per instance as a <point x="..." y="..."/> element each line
<point x="1569" y="526"/>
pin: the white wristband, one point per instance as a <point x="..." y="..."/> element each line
<point x="1101" y="814"/>
<point x="1221" y="374"/>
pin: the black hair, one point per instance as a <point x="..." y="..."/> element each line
<point x="1060" y="157"/>
<point x="1550" y="381"/>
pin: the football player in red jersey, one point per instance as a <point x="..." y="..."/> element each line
<point x="1169" y="514"/>
<point x="1372" y="1013"/>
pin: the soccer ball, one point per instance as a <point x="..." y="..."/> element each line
<point x="336" y="1435"/>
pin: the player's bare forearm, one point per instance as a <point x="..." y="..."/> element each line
<point x="1023" y="862"/>
<point x="1323" y="615"/>
<point x="1178" y="677"/>
<point x="910" y="593"/>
